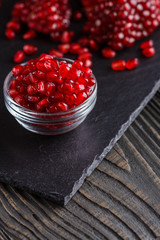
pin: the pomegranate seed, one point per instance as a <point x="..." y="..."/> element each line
<point x="149" y="52"/>
<point x="118" y="65"/>
<point x="30" y="49"/>
<point x="17" y="70"/>
<point x="55" y="53"/>
<point x="67" y="36"/>
<point x="19" y="56"/>
<point x="48" y="85"/>
<point x="64" y="48"/>
<point x="31" y="89"/>
<point x="74" y="48"/>
<point x="14" y="25"/>
<point x="147" y="44"/>
<point x="77" y="16"/>
<point x="29" y="35"/>
<point x="9" y="33"/>
<point x="85" y="56"/>
<point x="132" y="63"/>
<point x="108" y="53"/>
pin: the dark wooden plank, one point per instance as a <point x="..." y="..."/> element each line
<point x="120" y="200"/>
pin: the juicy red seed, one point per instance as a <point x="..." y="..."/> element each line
<point x="52" y="76"/>
<point x="108" y="53"/>
<point x="70" y="99"/>
<point x="14" y="25"/>
<point x="61" y="106"/>
<point x="63" y="71"/>
<point x="82" y="51"/>
<point x="77" y="64"/>
<point x="74" y="48"/>
<point x="17" y="70"/>
<point x="30" y="49"/>
<point x="13" y="93"/>
<point x="55" y="53"/>
<point x="19" y="56"/>
<point x="149" y="52"/>
<point x="79" y="87"/>
<point x="9" y="33"/>
<point x="93" y="45"/>
<point x="19" y="99"/>
<point x="41" y="87"/>
<point x="132" y="63"/>
<point x="118" y="65"/>
<point x="44" y="66"/>
<point x="42" y="104"/>
<point x="45" y="57"/>
<point x="81" y="97"/>
<point x="64" y="48"/>
<point x="85" y="56"/>
<point x="77" y="15"/>
<point x="31" y="89"/>
<point x="87" y="63"/>
<point x="29" y="35"/>
<point x="50" y="88"/>
<point x="34" y="99"/>
<point x="67" y="36"/>
<point x="147" y="44"/>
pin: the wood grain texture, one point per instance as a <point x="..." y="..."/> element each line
<point x="120" y="200"/>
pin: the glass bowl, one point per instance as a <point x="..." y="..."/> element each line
<point x="49" y="123"/>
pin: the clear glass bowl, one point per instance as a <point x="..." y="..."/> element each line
<point x="48" y="123"/>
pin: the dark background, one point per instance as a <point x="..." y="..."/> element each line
<point x="51" y="165"/>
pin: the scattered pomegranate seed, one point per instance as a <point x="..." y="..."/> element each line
<point x="10" y="34"/>
<point x="64" y="48"/>
<point x="19" y="56"/>
<point x="29" y="35"/>
<point x="14" y="25"/>
<point x="30" y="49"/>
<point x="67" y="36"/>
<point x="47" y="85"/>
<point x="55" y="53"/>
<point x="74" y="48"/>
<point x="108" y="53"/>
<point x="118" y="65"/>
<point x="149" y="52"/>
<point x="77" y="16"/>
<point x="147" y="44"/>
<point x="132" y="63"/>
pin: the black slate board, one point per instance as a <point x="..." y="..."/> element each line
<point x="55" y="166"/>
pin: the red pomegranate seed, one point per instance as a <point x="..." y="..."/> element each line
<point x="10" y="34"/>
<point x="81" y="97"/>
<point x="149" y="52"/>
<point x="64" y="48"/>
<point x="29" y="35"/>
<point x="13" y="93"/>
<point x="132" y="63"/>
<point x="52" y="76"/>
<point x="118" y="65"/>
<point x="19" y="99"/>
<point x="61" y="106"/>
<point x="34" y="99"/>
<point x="55" y="53"/>
<point x="30" y="49"/>
<point x="108" y="53"/>
<point x="14" y="25"/>
<point x="147" y="44"/>
<point x="19" y="56"/>
<point x="67" y="36"/>
<point x="74" y="48"/>
<point x="41" y="86"/>
<point x="31" y="89"/>
<point x="17" y="70"/>
<point x="85" y="56"/>
<point x="77" y="16"/>
<point x="50" y="88"/>
<point x="87" y="63"/>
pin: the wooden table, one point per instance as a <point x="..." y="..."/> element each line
<point x="120" y="200"/>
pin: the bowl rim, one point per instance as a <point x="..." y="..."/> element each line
<point x="33" y="113"/>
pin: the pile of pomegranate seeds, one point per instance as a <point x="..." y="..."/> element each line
<point x="45" y="16"/>
<point x="49" y="85"/>
<point x="120" y="23"/>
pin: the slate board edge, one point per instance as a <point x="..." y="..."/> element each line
<point x="87" y="172"/>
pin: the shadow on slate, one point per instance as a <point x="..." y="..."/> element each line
<point x="56" y="166"/>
